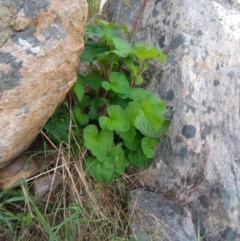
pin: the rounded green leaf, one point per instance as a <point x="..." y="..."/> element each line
<point x="138" y="80"/>
<point x="104" y="56"/>
<point x="101" y="171"/>
<point x="57" y="127"/>
<point x="97" y="107"/>
<point x="145" y="51"/>
<point x="94" y="81"/>
<point x="151" y="116"/>
<point x="129" y="135"/>
<point x="106" y="85"/>
<point x="117" y="155"/>
<point x="136" y="143"/>
<point x="101" y="31"/>
<point x="116" y="120"/>
<point x="79" y="117"/>
<point x="92" y="50"/>
<point x="116" y="100"/>
<point x="123" y="48"/>
<point x="97" y="143"/>
<point x="137" y="94"/>
<point x="118" y="83"/>
<point x="93" y="113"/>
<point x="148" y="143"/>
<point x="147" y="114"/>
<point x="139" y="159"/>
<point x="113" y="25"/>
<point x="85" y="102"/>
<point x="78" y="87"/>
<point x="132" y="111"/>
<point x="131" y="65"/>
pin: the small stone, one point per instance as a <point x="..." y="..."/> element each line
<point x="44" y="184"/>
<point x="19" y="170"/>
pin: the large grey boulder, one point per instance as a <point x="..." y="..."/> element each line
<point x="40" y="44"/>
<point x="198" y="160"/>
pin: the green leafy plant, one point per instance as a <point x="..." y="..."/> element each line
<point x="119" y="119"/>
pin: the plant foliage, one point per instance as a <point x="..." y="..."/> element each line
<point x="120" y="120"/>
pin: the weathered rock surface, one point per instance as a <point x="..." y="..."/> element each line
<point x="40" y="44"/>
<point x="198" y="160"/>
<point x="154" y="217"/>
<point x="19" y="170"/>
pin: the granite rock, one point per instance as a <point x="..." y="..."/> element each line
<point x="198" y="160"/>
<point x="40" y="44"/>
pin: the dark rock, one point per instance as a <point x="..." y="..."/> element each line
<point x="154" y="217"/>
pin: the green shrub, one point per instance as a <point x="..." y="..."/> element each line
<point x="120" y="122"/>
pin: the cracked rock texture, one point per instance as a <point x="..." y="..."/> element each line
<point x="198" y="160"/>
<point x="40" y="44"/>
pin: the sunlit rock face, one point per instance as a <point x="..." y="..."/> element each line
<point x="40" y="44"/>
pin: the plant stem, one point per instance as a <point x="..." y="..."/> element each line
<point x="137" y="19"/>
<point x="109" y="69"/>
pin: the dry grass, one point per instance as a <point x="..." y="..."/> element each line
<point x="79" y="208"/>
<point x="93" y="8"/>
